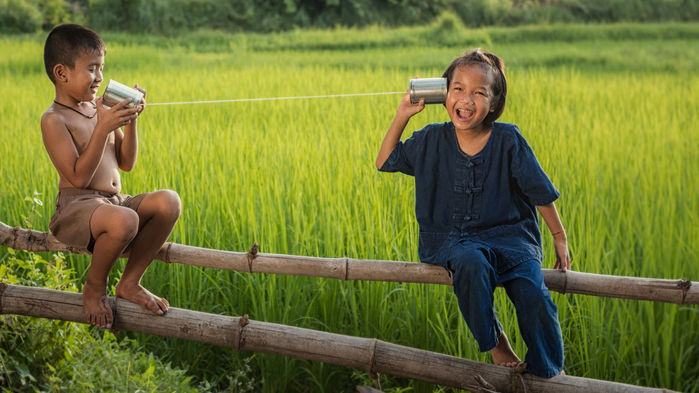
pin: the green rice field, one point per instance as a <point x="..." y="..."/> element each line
<point x="612" y="113"/>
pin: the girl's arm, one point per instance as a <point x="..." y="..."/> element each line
<point x="406" y="110"/>
<point x="560" y="240"/>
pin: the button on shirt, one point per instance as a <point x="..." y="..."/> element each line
<point x="488" y="199"/>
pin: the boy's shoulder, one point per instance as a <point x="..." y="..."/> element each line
<point x="52" y="118"/>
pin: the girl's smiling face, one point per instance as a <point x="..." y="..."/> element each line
<point x="469" y="97"/>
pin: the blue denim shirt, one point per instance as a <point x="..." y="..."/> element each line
<point x="488" y="199"/>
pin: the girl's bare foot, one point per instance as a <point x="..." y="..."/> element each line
<point x="503" y="354"/>
<point x="139" y="295"/>
<point x="96" y="307"/>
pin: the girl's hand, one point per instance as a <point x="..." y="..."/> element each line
<point x="117" y="116"/>
<point x="560" y="245"/>
<point x="408" y="110"/>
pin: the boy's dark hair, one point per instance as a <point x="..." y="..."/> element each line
<point x="496" y="65"/>
<point x="67" y="42"/>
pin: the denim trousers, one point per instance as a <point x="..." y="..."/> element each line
<point x="475" y="276"/>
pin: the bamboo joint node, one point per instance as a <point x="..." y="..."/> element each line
<point x="167" y="252"/>
<point x="252" y="254"/>
<point x="244" y="320"/>
<point x="3" y="286"/>
<point x="372" y="363"/>
<point x="565" y="282"/>
<point x="14" y="237"/>
<point x="684" y="286"/>
<point x="346" y="261"/>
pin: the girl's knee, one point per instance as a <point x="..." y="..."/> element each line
<point x="532" y="297"/>
<point x="470" y="264"/>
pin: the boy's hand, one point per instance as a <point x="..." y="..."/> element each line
<point x="117" y="116"/>
<point x="143" y="102"/>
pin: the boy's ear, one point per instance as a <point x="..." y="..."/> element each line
<point x="60" y="73"/>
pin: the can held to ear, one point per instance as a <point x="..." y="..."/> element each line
<point x="117" y="92"/>
<point x="433" y="90"/>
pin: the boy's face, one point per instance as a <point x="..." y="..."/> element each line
<point x="469" y="97"/>
<point x="85" y="77"/>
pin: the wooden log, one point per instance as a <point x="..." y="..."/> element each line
<point x="371" y="355"/>
<point x="367" y="389"/>
<point x="652" y="289"/>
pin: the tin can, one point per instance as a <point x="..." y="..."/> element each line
<point x="433" y="90"/>
<point x="117" y="92"/>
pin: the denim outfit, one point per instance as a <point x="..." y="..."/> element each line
<point x="477" y="217"/>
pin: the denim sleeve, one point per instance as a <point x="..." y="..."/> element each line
<point x="407" y="155"/>
<point x="398" y="162"/>
<point x="530" y="176"/>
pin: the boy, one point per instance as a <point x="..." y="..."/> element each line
<point x="87" y="146"/>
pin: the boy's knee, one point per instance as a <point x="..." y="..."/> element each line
<point x="124" y="225"/>
<point x="169" y="204"/>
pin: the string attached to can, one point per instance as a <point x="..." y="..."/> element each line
<point x="431" y="90"/>
<point x="276" y="98"/>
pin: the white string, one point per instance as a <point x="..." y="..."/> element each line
<point x="275" y="98"/>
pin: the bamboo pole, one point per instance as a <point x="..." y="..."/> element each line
<point x="240" y="333"/>
<point x="652" y="289"/>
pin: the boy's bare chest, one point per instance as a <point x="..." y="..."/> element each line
<point x="81" y="135"/>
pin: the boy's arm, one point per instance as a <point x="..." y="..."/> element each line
<point x="405" y="111"/>
<point x="560" y="240"/>
<point x="126" y="143"/>
<point x="78" y="168"/>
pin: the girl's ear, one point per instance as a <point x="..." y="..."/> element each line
<point x="60" y="73"/>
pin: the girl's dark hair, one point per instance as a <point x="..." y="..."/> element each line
<point x="65" y="43"/>
<point x="496" y="65"/>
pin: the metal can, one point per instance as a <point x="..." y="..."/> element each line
<point x="117" y="92"/>
<point x="433" y="90"/>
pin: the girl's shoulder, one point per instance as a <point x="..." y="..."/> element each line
<point x="509" y="133"/>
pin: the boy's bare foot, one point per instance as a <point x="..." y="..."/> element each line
<point x="96" y="307"/>
<point x="142" y="296"/>
<point x="503" y="354"/>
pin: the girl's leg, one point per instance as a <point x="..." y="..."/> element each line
<point x="113" y="228"/>
<point x="158" y="212"/>
<point x="537" y="317"/>
<point x="474" y="283"/>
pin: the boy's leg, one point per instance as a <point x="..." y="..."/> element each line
<point x="112" y="228"/>
<point x="158" y="212"/>
<point x="537" y="317"/>
<point x="474" y="282"/>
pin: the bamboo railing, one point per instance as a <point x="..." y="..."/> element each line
<point x="371" y="355"/>
<point x="661" y="290"/>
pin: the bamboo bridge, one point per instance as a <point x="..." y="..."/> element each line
<point x="371" y="355"/>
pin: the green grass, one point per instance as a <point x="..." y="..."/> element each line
<point x="613" y="124"/>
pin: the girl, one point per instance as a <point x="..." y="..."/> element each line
<point x="477" y="183"/>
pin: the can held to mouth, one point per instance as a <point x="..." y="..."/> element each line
<point x="116" y="92"/>
<point x="433" y="90"/>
